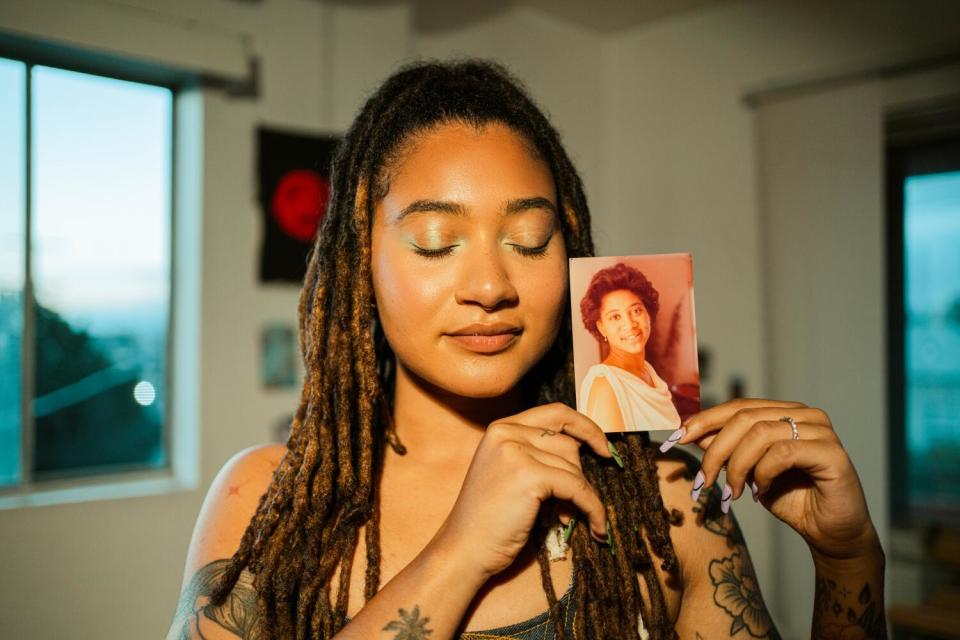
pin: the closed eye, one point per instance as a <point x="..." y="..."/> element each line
<point x="531" y="252"/>
<point x="434" y="254"/>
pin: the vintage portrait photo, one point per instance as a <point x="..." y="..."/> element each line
<point x="635" y="340"/>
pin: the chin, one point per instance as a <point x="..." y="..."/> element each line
<point x="489" y="382"/>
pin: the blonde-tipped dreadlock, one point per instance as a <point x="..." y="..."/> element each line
<point x="307" y="524"/>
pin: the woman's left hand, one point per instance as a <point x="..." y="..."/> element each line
<point x="809" y="483"/>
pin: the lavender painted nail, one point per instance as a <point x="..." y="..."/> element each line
<point x="754" y="490"/>
<point x="672" y="440"/>
<point x="697" y="485"/>
<point x="725" y="499"/>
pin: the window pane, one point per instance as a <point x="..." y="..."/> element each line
<point x="932" y="297"/>
<point x="101" y="186"/>
<point x="12" y="242"/>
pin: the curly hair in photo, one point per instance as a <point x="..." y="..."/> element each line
<point x="619" y="277"/>
<point x="325" y="489"/>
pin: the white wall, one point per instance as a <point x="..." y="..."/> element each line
<point x="652" y="116"/>
<point x="680" y="172"/>
<point x="823" y="223"/>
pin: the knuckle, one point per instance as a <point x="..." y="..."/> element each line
<point x="496" y="430"/>
<point x="764" y="429"/>
<point x="511" y="449"/>
<point x="832" y="435"/>
<point x="570" y="445"/>
<point x="559" y="407"/>
<point x="782" y="449"/>
<point x="821" y="416"/>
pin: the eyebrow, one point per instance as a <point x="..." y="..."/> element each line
<point x="456" y="209"/>
<point x="630" y="306"/>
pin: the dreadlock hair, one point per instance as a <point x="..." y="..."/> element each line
<point x="324" y="490"/>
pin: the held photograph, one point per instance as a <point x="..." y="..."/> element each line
<point x="635" y="340"/>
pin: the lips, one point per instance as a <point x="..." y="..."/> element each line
<point x="486" y="337"/>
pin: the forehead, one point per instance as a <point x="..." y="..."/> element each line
<point x="619" y="299"/>
<point x="464" y="162"/>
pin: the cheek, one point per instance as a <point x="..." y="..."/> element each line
<point x="546" y="295"/>
<point x="408" y="294"/>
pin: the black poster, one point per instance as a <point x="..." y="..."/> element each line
<point x="294" y="173"/>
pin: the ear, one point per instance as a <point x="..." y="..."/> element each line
<point x="600" y="330"/>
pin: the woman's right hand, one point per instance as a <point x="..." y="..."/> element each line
<point x="521" y="461"/>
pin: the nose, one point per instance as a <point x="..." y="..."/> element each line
<point x="485" y="281"/>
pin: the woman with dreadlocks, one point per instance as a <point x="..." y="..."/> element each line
<point x="436" y="482"/>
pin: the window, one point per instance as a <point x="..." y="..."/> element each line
<point x="85" y="274"/>
<point x="925" y="329"/>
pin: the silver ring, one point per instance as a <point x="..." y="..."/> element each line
<point x="793" y="426"/>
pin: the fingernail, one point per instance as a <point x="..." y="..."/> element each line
<point x="697" y="485"/>
<point x="615" y="454"/>
<point x="613" y="551"/>
<point x="725" y="498"/>
<point x="673" y="439"/>
<point x="754" y="490"/>
<point x="568" y="530"/>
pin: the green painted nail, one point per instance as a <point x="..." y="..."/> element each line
<point x="568" y="530"/>
<point x="615" y="454"/>
<point x="613" y="551"/>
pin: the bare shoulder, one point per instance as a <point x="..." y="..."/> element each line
<point x="229" y="505"/>
<point x="231" y="502"/>
<point x="601" y="391"/>
<point x="602" y="405"/>
<point x="703" y="524"/>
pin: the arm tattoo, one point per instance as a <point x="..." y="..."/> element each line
<point x="736" y="591"/>
<point x="238" y="614"/>
<point x="735" y="586"/>
<point x="409" y="626"/>
<point x="838" y="611"/>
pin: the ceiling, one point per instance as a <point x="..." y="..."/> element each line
<point x="607" y="16"/>
<point x="602" y="16"/>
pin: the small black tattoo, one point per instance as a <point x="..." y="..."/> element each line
<point x="409" y="626"/>
<point x="548" y="432"/>
<point x="836" y="615"/>
<point x="711" y="517"/>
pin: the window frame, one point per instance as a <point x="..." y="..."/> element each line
<point x="180" y="472"/>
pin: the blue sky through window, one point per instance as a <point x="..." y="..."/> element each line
<point x="100" y="194"/>
<point x="100" y="190"/>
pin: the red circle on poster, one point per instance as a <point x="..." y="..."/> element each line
<point x="299" y="201"/>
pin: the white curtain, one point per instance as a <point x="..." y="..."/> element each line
<point x="822" y="217"/>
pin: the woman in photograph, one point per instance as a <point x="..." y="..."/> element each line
<point x="437" y="482"/>
<point x="624" y="392"/>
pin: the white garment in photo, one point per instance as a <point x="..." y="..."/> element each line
<point x="643" y="407"/>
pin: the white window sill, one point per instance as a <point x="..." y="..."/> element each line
<point x="101" y="488"/>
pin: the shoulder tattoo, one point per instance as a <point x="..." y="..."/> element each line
<point x="197" y="618"/>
